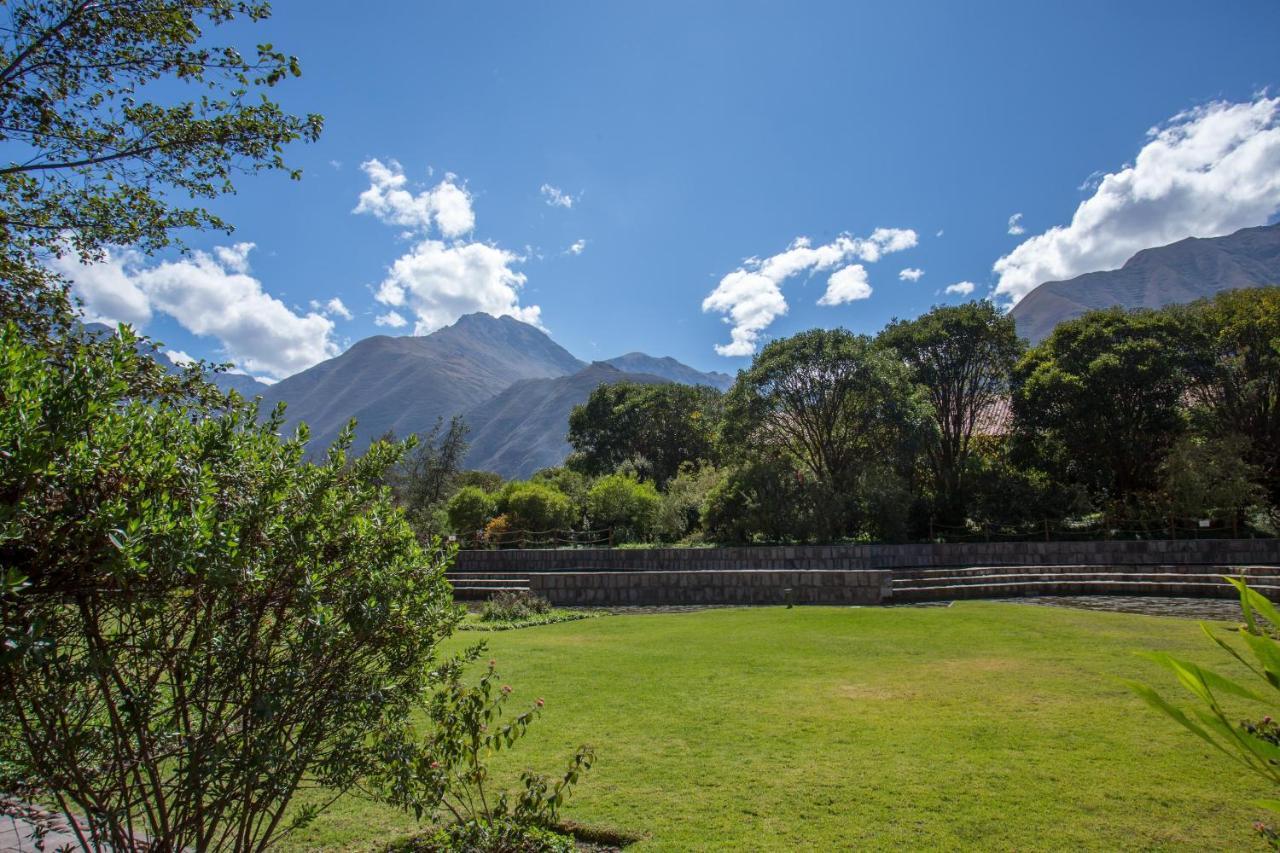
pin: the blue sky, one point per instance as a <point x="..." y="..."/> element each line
<point x="690" y="137"/>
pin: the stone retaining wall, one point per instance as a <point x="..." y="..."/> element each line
<point x="862" y="557"/>
<point x="578" y="589"/>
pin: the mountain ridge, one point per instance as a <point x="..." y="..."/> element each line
<point x="1183" y="271"/>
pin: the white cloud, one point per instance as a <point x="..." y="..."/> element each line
<point x="440" y="278"/>
<point x="333" y="308"/>
<point x="910" y="274"/>
<point x="209" y="295"/>
<point x="577" y="247"/>
<point x="751" y="297"/>
<point x="556" y="197"/>
<point x="1207" y="172"/>
<point x="1015" y="225"/>
<point x="178" y="357"/>
<point x="964" y="288"/>
<point x="847" y="285"/>
<point x="447" y="205"/>
<point x="391" y="319"/>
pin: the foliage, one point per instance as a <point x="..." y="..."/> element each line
<point x="497" y="531"/>
<point x="626" y="505"/>
<point x="551" y="617"/>
<point x="103" y="150"/>
<point x="765" y="498"/>
<point x="1100" y="399"/>
<point x="835" y="403"/>
<point x="680" y="510"/>
<point x="1005" y="492"/>
<point x="470" y="509"/>
<point x="487" y="481"/>
<point x="513" y="606"/>
<point x="1255" y="746"/>
<point x="1208" y="477"/>
<point x="1236" y="373"/>
<point x="571" y="483"/>
<point x="532" y="506"/>
<point x="661" y="426"/>
<point x="448" y="771"/>
<point x="196" y="622"/>
<point x="961" y="356"/>
<point x="427" y="475"/>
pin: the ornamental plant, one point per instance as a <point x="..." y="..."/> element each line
<point x="195" y="623"/>
<point x="445" y="776"/>
<point x="1254" y="745"/>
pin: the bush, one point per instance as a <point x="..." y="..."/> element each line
<point x="447" y="771"/>
<point x="185" y="598"/>
<point x="470" y="510"/>
<point x="536" y="507"/>
<point x="765" y="499"/>
<point x="514" y="606"/>
<point x="681" y="509"/>
<point x="624" y="504"/>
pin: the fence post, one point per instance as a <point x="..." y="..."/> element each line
<point x="1046" y="530"/>
<point x="610" y="537"/>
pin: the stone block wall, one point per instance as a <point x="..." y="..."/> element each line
<point x="875" y="557"/>
<point x="595" y="588"/>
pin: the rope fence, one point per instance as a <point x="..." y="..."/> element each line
<point x="1220" y="524"/>
<point x="497" y="539"/>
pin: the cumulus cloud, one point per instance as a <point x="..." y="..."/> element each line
<point x="1016" y="227"/>
<point x="447" y="206"/>
<point x="910" y="274"/>
<point x="964" y="288"/>
<point x="846" y="285"/>
<point x="577" y="247"/>
<point x="208" y="294"/>
<point x="750" y="297"/>
<point x="556" y="197"/>
<point x="1204" y="173"/>
<point x="333" y="308"/>
<point x="178" y="357"/>
<point x="440" y="277"/>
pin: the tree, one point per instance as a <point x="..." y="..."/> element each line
<point x="1236" y="373"/>
<point x="1100" y="399"/>
<point x="961" y="356"/>
<point x="102" y="149"/>
<point x="470" y="509"/>
<point x="658" y="427"/>
<point x="833" y="401"/>
<point x="761" y="498"/>
<point x="536" y="508"/>
<point x="428" y="474"/>
<point x="195" y="623"/>
<point x="625" y="505"/>
<point x="1203" y="478"/>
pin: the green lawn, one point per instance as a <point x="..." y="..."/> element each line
<point x="983" y="725"/>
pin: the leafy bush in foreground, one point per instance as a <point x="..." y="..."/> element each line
<point x="1253" y="745"/>
<point x="194" y="622"/>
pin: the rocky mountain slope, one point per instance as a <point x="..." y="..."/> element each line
<point x="1185" y="271"/>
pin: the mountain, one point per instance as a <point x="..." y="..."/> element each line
<point x="669" y="368"/>
<point x="405" y="383"/>
<point x="523" y="429"/>
<point x="1185" y="271"/>
<point x="246" y="385"/>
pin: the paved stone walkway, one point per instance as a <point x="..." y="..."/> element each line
<point x="1213" y="609"/>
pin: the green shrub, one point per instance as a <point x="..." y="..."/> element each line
<point x="446" y="775"/>
<point x="765" y="499"/>
<point x="470" y="510"/>
<point x="514" y="606"/>
<point x="538" y="507"/>
<point x="1255" y="746"/>
<point x="624" y="504"/>
<point x="186" y="599"/>
<point x="680" y="511"/>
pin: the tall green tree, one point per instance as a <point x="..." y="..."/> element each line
<point x="1236" y="374"/>
<point x="836" y="403"/>
<point x="656" y="427"/>
<point x="100" y="147"/>
<point x="962" y="357"/>
<point x="429" y="473"/>
<point x="1100" y="399"/>
<point x="195" y="623"/>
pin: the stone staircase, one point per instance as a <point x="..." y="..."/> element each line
<point x="1198" y="581"/>
<point x="481" y="586"/>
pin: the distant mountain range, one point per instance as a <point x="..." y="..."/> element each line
<point x="512" y="383"/>
<point x="1185" y="271"/>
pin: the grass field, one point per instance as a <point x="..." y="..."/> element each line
<point x="983" y="725"/>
